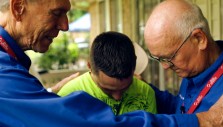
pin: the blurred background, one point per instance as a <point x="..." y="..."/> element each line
<point x="88" y="18"/>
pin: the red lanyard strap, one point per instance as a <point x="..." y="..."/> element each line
<point x="205" y="90"/>
<point x="6" y="47"/>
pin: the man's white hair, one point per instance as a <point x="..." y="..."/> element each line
<point x="193" y="18"/>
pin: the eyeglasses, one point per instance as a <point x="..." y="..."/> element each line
<point x="168" y="61"/>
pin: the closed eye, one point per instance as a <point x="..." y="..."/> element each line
<point x="57" y="13"/>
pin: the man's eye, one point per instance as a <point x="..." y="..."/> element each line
<point x="57" y="13"/>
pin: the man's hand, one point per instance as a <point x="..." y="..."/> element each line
<point x="213" y="117"/>
<point x="60" y="84"/>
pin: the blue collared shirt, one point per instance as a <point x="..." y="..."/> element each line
<point x="191" y="88"/>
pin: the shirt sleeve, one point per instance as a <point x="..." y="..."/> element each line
<point x="166" y="102"/>
<point x="80" y="109"/>
<point x="25" y="103"/>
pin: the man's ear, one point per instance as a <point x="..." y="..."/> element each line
<point x="201" y="38"/>
<point x="17" y="8"/>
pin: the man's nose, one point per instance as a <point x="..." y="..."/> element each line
<point x="63" y="23"/>
<point x="165" y="65"/>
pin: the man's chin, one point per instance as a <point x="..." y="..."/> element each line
<point x="181" y="74"/>
<point x="41" y="49"/>
<point x="44" y="46"/>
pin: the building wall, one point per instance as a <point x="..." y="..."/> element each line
<point x="212" y="11"/>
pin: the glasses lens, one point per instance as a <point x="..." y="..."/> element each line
<point x="165" y="62"/>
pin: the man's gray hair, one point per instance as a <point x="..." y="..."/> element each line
<point x="191" y="20"/>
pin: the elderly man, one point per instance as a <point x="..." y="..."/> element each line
<point x="177" y="35"/>
<point x="32" y="25"/>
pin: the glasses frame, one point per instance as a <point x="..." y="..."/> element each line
<point x="169" y="60"/>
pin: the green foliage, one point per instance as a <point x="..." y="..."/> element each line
<point x="72" y="49"/>
<point x="60" y="54"/>
<point x="75" y="14"/>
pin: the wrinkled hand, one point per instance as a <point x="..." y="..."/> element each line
<point x="213" y="117"/>
<point x="60" y="84"/>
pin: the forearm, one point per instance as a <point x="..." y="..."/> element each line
<point x="210" y="119"/>
<point x="203" y="120"/>
<point x="59" y="85"/>
<point x="213" y="117"/>
<point x="166" y="102"/>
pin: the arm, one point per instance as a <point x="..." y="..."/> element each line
<point x="213" y="117"/>
<point x="56" y="88"/>
<point x="26" y="103"/>
<point x="80" y="109"/>
<point x="166" y="102"/>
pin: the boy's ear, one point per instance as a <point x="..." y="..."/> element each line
<point x="89" y="65"/>
<point x="17" y="8"/>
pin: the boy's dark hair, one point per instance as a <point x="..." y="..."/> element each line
<point x="113" y="53"/>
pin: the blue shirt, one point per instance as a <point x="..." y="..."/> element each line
<point x="191" y="88"/>
<point x="25" y="103"/>
<point x="189" y="91"/>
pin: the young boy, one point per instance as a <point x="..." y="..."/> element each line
<point x="111" y="76"/>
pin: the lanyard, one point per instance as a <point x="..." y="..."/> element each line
<point x="6" y="47"/>
<point x="205" y="90"/>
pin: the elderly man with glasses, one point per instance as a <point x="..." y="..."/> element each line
<point x="179" y="38"/>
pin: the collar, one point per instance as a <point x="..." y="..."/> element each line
<point x="20" y="54"/>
